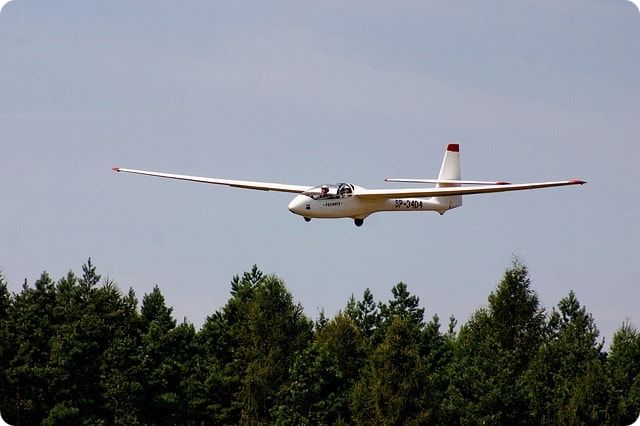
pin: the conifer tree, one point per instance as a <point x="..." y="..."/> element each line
<point x="167" y="351"/>
<point x="250" y="346"/>
<point x="5" y="341"/>
<point x="492" y="353"/>
<point x="367" y="314"/>
<point x="566" y="381"/>
<point x="623" y="366"/>
<point x="323" y="375"/>
<point x="32" y="383"/>
<point x="155" y="312"/>
<point x="5" y="299"/>
<point x="396" y="388"/>
<point x="403" y="305"/>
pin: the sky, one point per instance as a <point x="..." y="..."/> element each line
<point x="315" y="92"/>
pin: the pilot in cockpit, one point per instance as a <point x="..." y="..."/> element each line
<point x="345" y="191"/>
<point x="324" y="191"/>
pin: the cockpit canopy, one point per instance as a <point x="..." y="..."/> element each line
<point x="330" y="191"/>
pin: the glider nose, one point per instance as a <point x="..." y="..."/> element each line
<point x="298" y="205"/>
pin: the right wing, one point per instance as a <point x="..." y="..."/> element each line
<point x="385" y="194"/>
<point x="447" y="181"/>
<point x="245" y="184"/>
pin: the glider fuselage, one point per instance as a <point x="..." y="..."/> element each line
<point x="350" y="206"/>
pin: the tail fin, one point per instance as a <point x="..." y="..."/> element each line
<point x="450" y="170"/>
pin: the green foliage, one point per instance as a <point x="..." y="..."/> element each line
<point x="250" y="346"/>
<point x="364" y="313"/>
<point x="155" y="313"/>
<point x="79" y="351"/>
<point x="322" y="376"/>
<point x="5" y="298"/>
<point x="624" y="370"/>
<point x="492" y="353"/>
<point x="565" y="380"/>
<point x="395" y="388"/>
<point x="404" y="306"/>
<point x="166" y="355"/>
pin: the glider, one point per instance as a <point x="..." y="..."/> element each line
<point x="345" y="200"/>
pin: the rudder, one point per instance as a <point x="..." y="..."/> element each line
<point x="450" y="170"/>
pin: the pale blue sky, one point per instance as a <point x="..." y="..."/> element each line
<point x="314" y="92"/>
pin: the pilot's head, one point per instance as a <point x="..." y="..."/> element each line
<point x="324" y="189"/>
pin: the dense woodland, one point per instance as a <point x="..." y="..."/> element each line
<point x="80" y="351"/>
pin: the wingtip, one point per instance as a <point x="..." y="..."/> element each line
<point x="577" y="182"/>
<point x="453" y="147"/>
<point x="115" y="168"/>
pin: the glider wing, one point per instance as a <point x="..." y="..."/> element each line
<point x="245" y="184"/>
<point x="381" y="194"/>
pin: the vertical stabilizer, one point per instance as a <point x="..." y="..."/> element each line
<point x="450" y="170"/>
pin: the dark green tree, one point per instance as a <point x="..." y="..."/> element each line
<point x="32" y="384"/>
<point x="566" y="381"/>
<point x="274" y="331"/>
<point x="517" y="318"/>
<point x="213" y="394"/>
<point x="436" y="350"/>
<point x="155" y="312"/>
<point x="323" y="375"/>
<point x="96" y="347"/>
<point x="250" y="347"/>
<point x="5" y="341"/>
<point x="167" y="354"/>
<point x="623" y="367"/>
<point x="492" y="353"/>
<point x="364" y="313"/>
<point x="403" y="305"/>
<point x="5" y="299"/>
<point x="396" y="387"/>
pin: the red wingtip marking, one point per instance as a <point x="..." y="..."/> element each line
<point x="577" y="181"/>
<point x="115" y="168"/>
<point x="453" y="147"/>
<point x="502" y="183"/>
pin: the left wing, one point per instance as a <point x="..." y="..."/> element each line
<point x="383" y="194"/>
<point x="245" y="184"/>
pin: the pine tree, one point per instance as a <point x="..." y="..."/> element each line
<point x="492" y="353"/>
<point x="249" y="347"/>
<point x="155" y="312"/>
<point x="5" y="342"/>
<point x="403" y="305"/>
<point x="32" y="383"/>
<point x="5" y="299"/>
<point x="275" y="330"/>
<point x="323" y="375"/>
<point x="566" y="381"/>
<point x="367" y="314"/>
<point x="396" y="387"/>
<point x="167" y="352"/>
<point x="623" y="366"/>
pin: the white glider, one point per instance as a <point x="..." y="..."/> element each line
<point x="344" y="200"/>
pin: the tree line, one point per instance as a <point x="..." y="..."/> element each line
<point x="80" y="351"/>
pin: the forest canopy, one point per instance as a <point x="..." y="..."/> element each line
<point x="81" y="351"/>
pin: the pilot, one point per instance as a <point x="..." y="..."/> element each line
<point x="324" y="190"/>
<point x="345" y="191"/>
